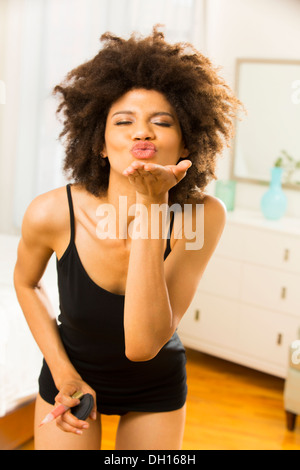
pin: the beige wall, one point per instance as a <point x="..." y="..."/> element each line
<point x="3" y="25"/>
<point x="252" y="29"/>
<point x="10" y="33"/>
<point x="3" y="14"/>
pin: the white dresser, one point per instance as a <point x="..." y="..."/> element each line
<point x="247" y="306"/>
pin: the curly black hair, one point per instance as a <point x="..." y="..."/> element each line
<point x="204" y="103"/>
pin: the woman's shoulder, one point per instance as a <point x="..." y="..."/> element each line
<point x="206" y="218"/>
<point x="47" y="214"/>
<point x="203" y="218"/>
<point x="48" y="206"/>
<point x="213" y="208"/>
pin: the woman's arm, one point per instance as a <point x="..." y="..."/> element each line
<point x="34" y="252"/>
<point x="40" y="224"/>
<point x="147" y="312"/>
<point x="158" y="293"/>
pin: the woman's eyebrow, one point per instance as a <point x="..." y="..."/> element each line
<point x="159" y="113"/>
<point x="123" y="112"/>
<point x="163" y="113"/>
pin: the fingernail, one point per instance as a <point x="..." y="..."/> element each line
<point x="78" y="431"/>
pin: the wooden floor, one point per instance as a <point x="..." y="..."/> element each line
<point x="229" y="407"/>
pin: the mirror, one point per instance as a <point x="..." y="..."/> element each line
<point x="270" y="92"/>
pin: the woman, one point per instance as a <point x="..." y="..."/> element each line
<point x="144" y="122"/>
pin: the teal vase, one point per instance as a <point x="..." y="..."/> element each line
<point x="274" y="201"/>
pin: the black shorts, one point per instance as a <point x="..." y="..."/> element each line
<point x="149" y="387"/>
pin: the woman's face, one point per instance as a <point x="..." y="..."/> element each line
<point x="142" y="125"/>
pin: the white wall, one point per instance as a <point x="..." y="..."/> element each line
<point x="234" y="28"/>
<point x="252" y="29"/>
<point x="9" y="34"/>
<point x="41" y="41"/>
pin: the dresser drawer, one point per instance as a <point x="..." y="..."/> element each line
<point x="270" y="249"/>
<point x="222" y="277"/>
<point x="276" y="290"/>
<point x="266" y="335"/>
<point x="231" y="244"/>
<point x="211" y="319"/>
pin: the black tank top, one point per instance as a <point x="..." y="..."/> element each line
<point x="91" y="329"/>
<point x="91" y="317"/>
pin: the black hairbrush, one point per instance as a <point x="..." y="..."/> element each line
<point x="83" y="410"/>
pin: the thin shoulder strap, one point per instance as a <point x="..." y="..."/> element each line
<point x="72" y="222"/>
<point x="168" y="247"/>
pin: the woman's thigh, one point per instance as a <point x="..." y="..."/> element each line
<point x="50" y="437"/>
<point x="155" y="431"/>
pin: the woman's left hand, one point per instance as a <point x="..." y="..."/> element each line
<point x="153" y="180"/>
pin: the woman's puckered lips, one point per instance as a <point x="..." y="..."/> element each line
<point x="143" y="150"/>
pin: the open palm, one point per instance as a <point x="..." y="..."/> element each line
<point x="151" y="179"/>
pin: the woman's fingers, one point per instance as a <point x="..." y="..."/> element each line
<point x="135" y="168"/>
<point x="184" y="164"/>
<point x="64" y="398"/>
<point x="69" y="423"/>
<point x="152" y="179"/>
<point x="143" y="169"/>
<point x="180" y="169"/>
<point x="142" y="172"/>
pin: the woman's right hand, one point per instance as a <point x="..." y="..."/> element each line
<point x="67" y="421"/>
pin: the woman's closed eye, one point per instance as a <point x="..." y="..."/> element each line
<point x="125" y="123"/>
<point x="164" y="124"/>
<point x="119" y="123"/>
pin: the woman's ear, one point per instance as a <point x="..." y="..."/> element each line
<point x="184" y="150"/>
<point x="103" y="158"/>
<point x="103" y="153"/>
<point x="184" y="154"/>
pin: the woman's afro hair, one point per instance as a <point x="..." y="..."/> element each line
<point x="205" y="106"/>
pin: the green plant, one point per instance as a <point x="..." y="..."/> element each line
<point x="289" y="164"/>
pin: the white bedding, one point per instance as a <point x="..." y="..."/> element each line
<point x="20" y="358"/>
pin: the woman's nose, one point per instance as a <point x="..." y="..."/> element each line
<point x="142" y="132"/>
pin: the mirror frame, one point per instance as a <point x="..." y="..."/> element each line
<point x="238" y="63"/>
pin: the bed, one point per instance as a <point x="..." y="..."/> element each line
<point x="20" y="358"/>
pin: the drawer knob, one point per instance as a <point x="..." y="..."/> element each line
<point x="279" y="339"/>
<point x="197" y="315"/>
<point x="283" y="292"/>
<point x="286" y="255"/>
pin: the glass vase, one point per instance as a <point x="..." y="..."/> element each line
<point x="225" y="190"/>
<point x="274" y="201"/>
